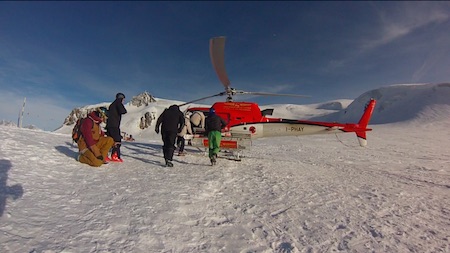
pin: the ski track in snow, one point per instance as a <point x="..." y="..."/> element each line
<point x="305" y="194"/>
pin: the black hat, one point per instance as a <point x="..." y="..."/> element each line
<point x="120" y="95"/>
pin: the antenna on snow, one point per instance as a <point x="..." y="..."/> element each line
<point x="19" y="123"/>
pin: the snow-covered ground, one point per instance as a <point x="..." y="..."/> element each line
<point x="321" y="193"/>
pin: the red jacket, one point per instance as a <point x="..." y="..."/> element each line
<point x="90" y="132"/>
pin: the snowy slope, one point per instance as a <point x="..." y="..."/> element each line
<point x="321" y="193"/>
<point x="397" y="103"/>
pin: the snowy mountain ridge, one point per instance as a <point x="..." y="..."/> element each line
<point x="420" y="103"/>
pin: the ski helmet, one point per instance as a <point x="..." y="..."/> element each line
<point x="120" y="95"/>
<point x="103" y="111"/>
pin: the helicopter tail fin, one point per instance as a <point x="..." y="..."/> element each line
<point x="362" y="138"/>
<point x="364" y="121"/>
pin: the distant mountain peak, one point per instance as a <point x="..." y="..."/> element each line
<point x="144" y="98"/>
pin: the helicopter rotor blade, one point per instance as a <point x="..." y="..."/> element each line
<point x="217" y="54"/>
<point x="270" y="94"/>
<point x="203" y="98"/>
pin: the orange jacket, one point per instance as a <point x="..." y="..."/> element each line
<point x="90" y="134"/>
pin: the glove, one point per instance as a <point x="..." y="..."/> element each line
<point x="157" y="130"/>
<point x="100" y="157"/>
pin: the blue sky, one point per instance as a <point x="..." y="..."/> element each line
<point x="62" y="55"/>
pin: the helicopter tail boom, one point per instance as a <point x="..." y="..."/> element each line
<point x="363" y="122"/>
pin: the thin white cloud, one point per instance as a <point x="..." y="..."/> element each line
<point x="397" y="20"/>
<point x="40" y="67"/>
<point x="431" y="60"/>
<point x="405" y="19"/>
<point x="282" y="88"/>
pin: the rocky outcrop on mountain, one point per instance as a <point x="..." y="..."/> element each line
<point x="142" y="99"/>
<point x="7" y="123"/>
<point x="147" y="119"/>
<point x="78" y="113"/>
<point x="74" y="115"/>
<point x="12" y="124"/>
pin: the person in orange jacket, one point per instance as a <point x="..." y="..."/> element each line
<point x="93" y="144"/>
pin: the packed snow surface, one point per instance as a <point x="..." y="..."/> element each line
<point x="318" y="193"/>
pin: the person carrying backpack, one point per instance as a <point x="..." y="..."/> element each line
<point x="93" y="145"/>
<point x="172" y="121"/>
<point x="213" y="129"/>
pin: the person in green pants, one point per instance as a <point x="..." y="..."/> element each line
<point x="213" y="128"/>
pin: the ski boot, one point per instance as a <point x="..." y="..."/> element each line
<point x="115" y="158"/>
<point x="169" y="163"/>
<point x="213" y="160"/>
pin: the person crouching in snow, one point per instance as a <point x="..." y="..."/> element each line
<point x="93" y="145"/>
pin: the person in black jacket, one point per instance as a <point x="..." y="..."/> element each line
<point x="115" y="111"/>
<point x="213" y="128"/>
<point x="172" y="121"/>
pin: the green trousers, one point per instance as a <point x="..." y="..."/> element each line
<point x="214" y="138"/>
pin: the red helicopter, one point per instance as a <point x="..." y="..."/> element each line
<point x="247" y="122"/>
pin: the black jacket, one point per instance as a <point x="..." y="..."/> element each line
<point x="115" y="111"/>
<point x="172" y="120"/>
<point x="214" y="123"/>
